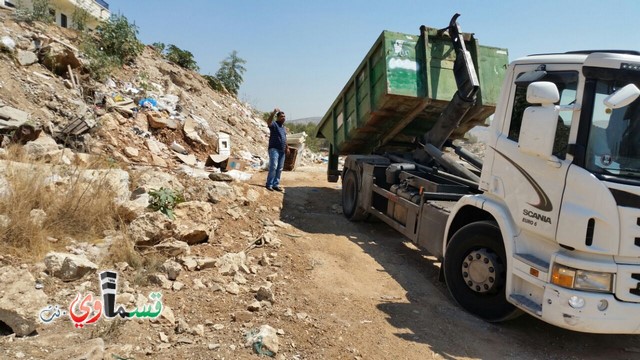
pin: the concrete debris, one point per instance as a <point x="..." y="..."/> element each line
<point x="26" y="58"/>
<point x="68" y="267"/>
<point x="230" y="263"/>
<point x="20" y="302"/>
<point x="190" y="132"/>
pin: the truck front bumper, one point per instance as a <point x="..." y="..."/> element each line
<point x="618" y="317"/>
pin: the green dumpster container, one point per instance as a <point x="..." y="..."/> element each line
<point x="400" y="89"/>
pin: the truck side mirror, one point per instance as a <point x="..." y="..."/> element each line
<point x="539" y="123"/>
<point x="622" y="97"/>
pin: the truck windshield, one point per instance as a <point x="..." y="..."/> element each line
<point x="614" y="136"/>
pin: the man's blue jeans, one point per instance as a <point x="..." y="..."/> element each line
<point x="276" y="163"/>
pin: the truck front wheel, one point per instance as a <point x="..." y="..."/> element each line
<point x="350" y="197"/>
<point x="475" y="270"/>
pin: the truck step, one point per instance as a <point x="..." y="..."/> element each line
<point x="533" y="261"/>
<point x="530" y="305"/>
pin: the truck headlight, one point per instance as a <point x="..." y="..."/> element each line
<point x="571" y="278"/>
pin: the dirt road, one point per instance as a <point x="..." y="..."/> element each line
<point x="376" y="296"/>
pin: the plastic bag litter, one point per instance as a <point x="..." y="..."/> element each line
<point x="148" y="102"/>
<point x="239" y="175"/>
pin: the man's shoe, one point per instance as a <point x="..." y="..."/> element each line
<point x="269" y="188"/>
<point x="278" y="188"/>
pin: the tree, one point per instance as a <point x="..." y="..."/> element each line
<point x="119" y="38"/>
<point x="182" y="58"/>
<point x="230" y="72"/>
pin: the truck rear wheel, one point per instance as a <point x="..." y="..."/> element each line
<point x="475" y="270"/>
<point x="350" y="197"/>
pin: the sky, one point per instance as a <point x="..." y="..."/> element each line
<point x="300" y="53"/>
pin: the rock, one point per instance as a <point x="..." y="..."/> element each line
<point x="198" y="330"/>
<point x="264" y="260"/>
<point x="7" y="43"/>
<point x="189" y="210"/>
<point x="254" y="306"/>
<point x="37" y="217"/>
<point x="154" y="180"/>
<point x="57" y="57"/>
<point x="189" y="129"/>
<point x="163" y="337"/>
<point x="20" y="302"/>
<point x="192" y="263"/>
<point x="125" y="298"/>
<point x="190" y="232"/>
<point x="155" y="121"/>
<point x="172" y="269"/>
<point x="173" y="247"/>
<point x="182" y="326"/>
<point x="263" y="340"/>
<point x="133" y="209"/>
<point x="166" y="317"/>
<point x="197" y="284"/>
<point x="239" y="278"/>
<point x="215" y="176"/>
<point x="265" y="293"/>
<point x="230" y="263"/>
<point x="153" y="146"/>
<point x="26" y="58"/>
<point x="131" y="152"/>
<point x="158" y="161"/>
<point x="19" y="117"/>
<point x="281" y="224"/>
<point x="150" y="228"/>
<point x="218" y="326"/>
<point x="161" y="280"/>
<point x="68" y="267"/>
<point x="177" y="286"/>
<point x="218" y="191"/>
<point x="213" y="346"/>
<point x="233" y="288"/>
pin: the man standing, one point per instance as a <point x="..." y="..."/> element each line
<point x="277" y="149"/>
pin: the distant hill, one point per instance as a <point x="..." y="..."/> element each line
<point x="314" y="120"/>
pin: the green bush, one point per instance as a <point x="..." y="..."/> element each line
<point x="80" y="17"/>
<point x="182" y="58"/>
<point x="164" y="200"/>
<point x="119" y="38"/>
<point x="115" y="43"/>
<point x="38" y="12"/>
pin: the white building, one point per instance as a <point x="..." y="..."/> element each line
<point x="63" y="10"/>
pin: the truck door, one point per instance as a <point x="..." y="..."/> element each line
<point x="532" y="187"/>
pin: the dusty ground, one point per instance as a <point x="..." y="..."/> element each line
<point x="343" y="291"/>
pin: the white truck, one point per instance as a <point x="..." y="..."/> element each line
<point x="549" y="222"/>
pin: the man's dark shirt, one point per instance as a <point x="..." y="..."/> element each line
<point x="277" y="136"/>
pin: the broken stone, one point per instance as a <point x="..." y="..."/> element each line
<point x="190" y="232"/>
<point x="131" y="152"/>
<point x="254" y="306"/>
<point x="163" y="337"/>
<point x="230" y="263"/>
<point x="9" y="113"/>
<point x="172" y="269"/>
<point x="68" y="267"/>
<point x="267" y="339"/>
<point x="57" y="57"/>
<point x="198" y="330"/>
<point x="20" y="302"/>
<point x="150" y="228"/>
<point x="155" y="121"/>
<point x="26" y="58"/>
<point x="215" y="176"/>
<point x="161" y="280"/>
<point x="182" y="326"/>
<point x="188" y="210"/>
<point x="197" y="284"/>
<point x="177" y="286"/>
<point x="233" y="288"/>
<point x="37" y="217"/>
<point x="265" y="293"/>
<point x="238" y="278"/>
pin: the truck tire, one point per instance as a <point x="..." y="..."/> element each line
<point x="475" y="270"/>
<point x="350" y="196"/>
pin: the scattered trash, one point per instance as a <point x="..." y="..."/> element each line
<point x="148" y="103"/>
<point x="179" y="148"/>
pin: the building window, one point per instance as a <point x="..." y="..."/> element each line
<point x="63" y="20"/>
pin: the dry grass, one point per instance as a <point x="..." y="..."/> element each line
<point x="76" y="206"/>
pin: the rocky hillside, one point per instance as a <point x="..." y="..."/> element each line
<point x="119" y="176"/>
